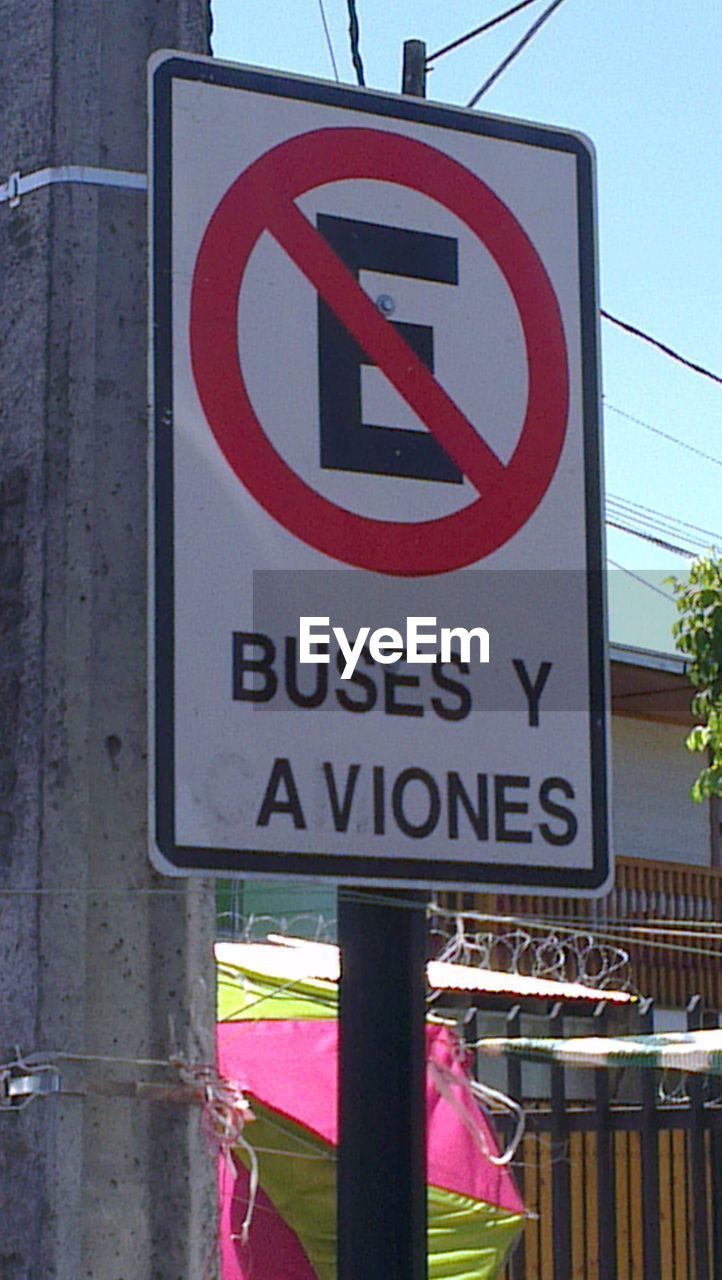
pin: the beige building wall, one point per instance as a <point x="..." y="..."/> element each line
<point x="653" y="816"/>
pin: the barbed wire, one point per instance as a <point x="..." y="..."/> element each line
<point x="560" y="956"/>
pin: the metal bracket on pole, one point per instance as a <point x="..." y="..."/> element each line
<point x="20" y="1083"/>
<point x="19" y="185"/>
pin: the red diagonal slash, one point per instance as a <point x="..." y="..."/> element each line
<point x="382" y="343"/>
<point x="263" y="200"/>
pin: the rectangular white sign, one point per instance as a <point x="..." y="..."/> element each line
<point x="375" y="401"/>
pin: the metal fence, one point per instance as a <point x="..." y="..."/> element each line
<point x="627" y="1184"/>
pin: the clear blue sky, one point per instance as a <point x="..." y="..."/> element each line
<point x="643" y="80"/>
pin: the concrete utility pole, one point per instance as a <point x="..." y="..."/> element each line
<point x="91" y="961"/>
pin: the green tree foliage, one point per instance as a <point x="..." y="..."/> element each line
<point x="698" y="635"/>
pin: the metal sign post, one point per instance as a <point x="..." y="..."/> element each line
<point x="381" y="1193"/>
<point x="381" y="1196"/>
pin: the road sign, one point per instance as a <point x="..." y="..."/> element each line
<point x="375" y="399"/>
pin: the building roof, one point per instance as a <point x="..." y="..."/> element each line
<point x="641" y="608"/>
<point x="651" y="684"/>
<point x="296" y="959"/>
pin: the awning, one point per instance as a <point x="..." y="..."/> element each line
<point x="690" y="1051"/>
<point x="295" y="960"/>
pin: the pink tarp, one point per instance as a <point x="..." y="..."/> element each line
<point x="291" y="1067"/>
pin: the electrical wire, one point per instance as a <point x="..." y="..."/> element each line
<point x="657" y="527"/>
<point x="387" y="897"/>
<point x="637" y="577"/>
<point x="678" y="539"/>
<point x="647" y="523"/>
<point x="354" y="34"/>
<point x="478" y="31"/>
<point x="630" y="502"/>
<point x="635" y="524"/>
<point x="578" y="925"/>
<point x="329" y="43"/>
<point x="100" y="893"/>
<point x="648" y="537"/>
<point x="661" y="346"/>
<point x="507" y="61"/>
<point x="666" y="435"/>
<point x="644" y="693"/>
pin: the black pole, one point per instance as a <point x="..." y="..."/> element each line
<point x="381" y="1183"/>
<point x="414" y="71"/>
<point x="381" y="1197"/>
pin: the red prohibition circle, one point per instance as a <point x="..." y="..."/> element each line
<point x="262" y="199"/>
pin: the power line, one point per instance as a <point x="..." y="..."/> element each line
<point x="647" y="537"/>
<point x="478" y="31"/>
<point x="327" y="34"/>
<point x="644" y="523"/>
<point x="656" y="536"/>
<point x="685" y="543"/>
<point x="638" y="578"/>
<point x="658" y="524"/>
<point x="629" y="502"/>
<point x="353" y="33"/>
<point x="661" y="346"/>
<point x="529" y="35"/>
<point x="666" y="435"/>
<point x="620" y="520"/>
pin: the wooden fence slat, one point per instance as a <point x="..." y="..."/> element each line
<point x="577" y="1221"/>
<point x="514" y="1086"/>
<point x="591" y="1229"/>
<point x="532" y="1228"/>
<point x="604" y="1202"/>
<point x="546" y="1249"/>
<point x="649" y="1154"/>
<point x="695" y="1085"/>
<point x="636" y="1212"/>
<point x="622" y="1142"/>
<point x="665" y="1199"/>
<point x="561" y="1217"/>
<point x="680" y="1182"/>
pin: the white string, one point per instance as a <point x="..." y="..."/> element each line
<point x="225" y="1114"/>
<point x="252" y="1189"/>
<point x="293" y="1155"/>
<point x="445" y="1081"/>
<point x="478" y="1095"/>
<point x="487" y="1095"/>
